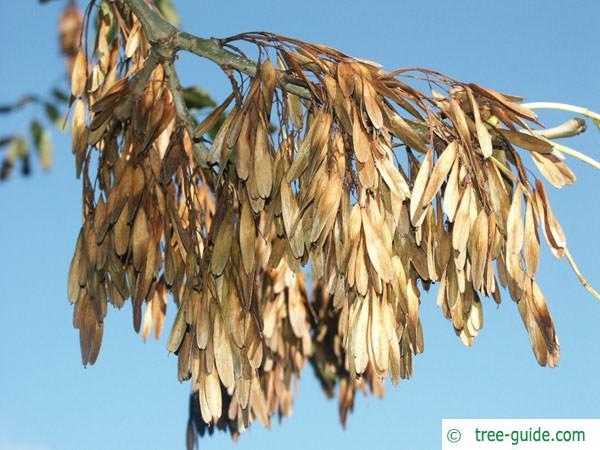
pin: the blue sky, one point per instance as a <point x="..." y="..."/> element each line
<point x="544" y="50"/>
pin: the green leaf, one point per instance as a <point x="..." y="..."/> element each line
<point x="107" y="15"/>
<point x="196" y="98"/>
<point x="36" y="132"/>
<point x="60" y="95"/>
<point x="43" y="142"/>
<point x="168" y="11"/>
<point x="18" y="148"/>
<point x="53" y="114"/>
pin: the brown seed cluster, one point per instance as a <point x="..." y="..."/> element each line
<point x="378" y="188"/>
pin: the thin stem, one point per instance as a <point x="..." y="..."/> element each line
<point x="564" y="107"/>
<point x="575" y="154"/>
<point x="580" y="276"/>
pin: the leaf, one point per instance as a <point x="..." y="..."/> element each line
<point x="43" y="142"/>
<point x="60" y="95"/>
<point x="168" y="11"/>
<point x="197" y="98"/>
<point x="53" y="114"/>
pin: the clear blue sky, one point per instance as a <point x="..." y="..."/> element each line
<point x="544" y="50"/>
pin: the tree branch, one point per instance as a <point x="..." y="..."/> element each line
<point x="212" y="49"/>
<point x="166" y="37"/>
<point x="168" y="40"/>
<point x="156" y="28"/>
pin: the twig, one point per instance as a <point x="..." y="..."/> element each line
<point x="580" y="276"/>
<point x="564" y="107"/>
<point x="575" y="154"/>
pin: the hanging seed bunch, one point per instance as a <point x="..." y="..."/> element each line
<point x="152" y="227"/>
<point x="323" y="163"/>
